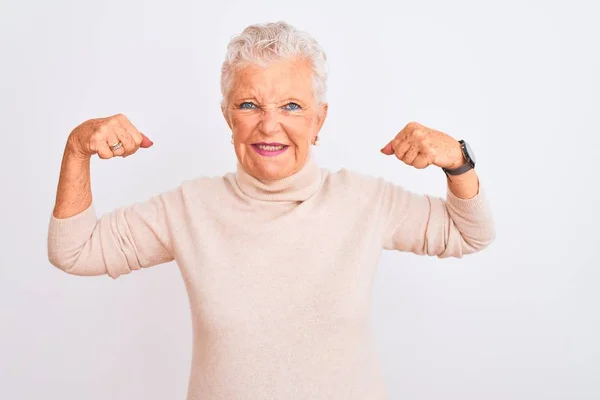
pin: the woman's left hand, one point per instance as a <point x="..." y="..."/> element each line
<point x="421" y="147"/>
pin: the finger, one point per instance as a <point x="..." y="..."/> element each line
<point x="388" y="149"/>
<point x="422" y="160"/>
<point x="391" y="147"/>
<point x="139" y="138"/>
<point x="401" y="148"/>
<point x="112" y="140"/>
<point x="411" y="154"/>
<point x="125" y="137"/>
<point x="104" y="150"/>
<point x="128" y="134"/>
<point x="146" y="142"/>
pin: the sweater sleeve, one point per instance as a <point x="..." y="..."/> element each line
<point x="123" y="240"/>
<point x="428" y="225"/>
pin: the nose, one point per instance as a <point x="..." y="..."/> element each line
<point x="269" y="122"/>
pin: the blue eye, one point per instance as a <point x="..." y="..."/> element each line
<point x="292" y="107"/>
<point x="247" y="105"/>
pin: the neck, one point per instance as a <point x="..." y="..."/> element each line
<point x="297" y="187"/>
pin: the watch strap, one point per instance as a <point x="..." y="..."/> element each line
<point x="468" y="165"/>
<point x="460" y="170"/>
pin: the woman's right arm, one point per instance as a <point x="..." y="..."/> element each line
<point x="126" y="239"/>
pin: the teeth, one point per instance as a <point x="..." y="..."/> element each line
<point x="269" y="148"/>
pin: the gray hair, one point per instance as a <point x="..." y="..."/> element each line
<point x="261" y="44"/>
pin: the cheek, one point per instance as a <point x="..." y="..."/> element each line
<point x="300" y="130"/>
<point x="242" y="127"/>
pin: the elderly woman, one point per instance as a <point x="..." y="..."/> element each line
<point x="279" y="256"/>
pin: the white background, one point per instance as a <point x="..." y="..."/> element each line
<point x="518" y="80"/>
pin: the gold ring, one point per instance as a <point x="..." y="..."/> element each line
<point x="116" y="146"/>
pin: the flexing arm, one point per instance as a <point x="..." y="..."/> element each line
<point x="423" y="224"/>
<point x="74" y="192"/>
<point x="460" y="224"/>
<point x="127" y="238"/>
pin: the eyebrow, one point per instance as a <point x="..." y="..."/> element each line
<point x="286" y="99"/>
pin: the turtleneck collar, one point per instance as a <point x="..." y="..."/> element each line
<point x="297" y="187"/>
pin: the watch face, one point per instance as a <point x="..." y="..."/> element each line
<point x="470" y="152"/>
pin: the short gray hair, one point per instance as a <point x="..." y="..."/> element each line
<point x="261" y="44"/>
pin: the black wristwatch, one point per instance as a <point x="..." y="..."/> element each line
<point x="469" y="156"/>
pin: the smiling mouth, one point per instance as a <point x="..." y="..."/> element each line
<point x="270" y="147"/>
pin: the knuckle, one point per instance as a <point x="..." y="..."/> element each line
<point x="413" y="125"/>
<point x="128" y="139"/>
<point x="128" y="150"/>
<point x="96" y="137"/>
<point x="119" y="117"/>
<point x="135" y="140"/>
<point x="101" y="131"/>
<point x="418" y="133"/>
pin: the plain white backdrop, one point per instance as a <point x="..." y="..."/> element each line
<point x="518" y="80"/>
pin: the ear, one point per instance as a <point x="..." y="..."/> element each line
<point x="322" y="115"/>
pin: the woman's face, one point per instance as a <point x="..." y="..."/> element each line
<point x="274" y="117"/>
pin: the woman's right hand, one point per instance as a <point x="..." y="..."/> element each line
<point x="114" y="136"/>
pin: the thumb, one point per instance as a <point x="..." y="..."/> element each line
<point x="387" y="149"/>
<point x="146" y="142"/>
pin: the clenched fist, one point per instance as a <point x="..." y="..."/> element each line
<point x="420" y="147"/>
<point x="109" y="137"/>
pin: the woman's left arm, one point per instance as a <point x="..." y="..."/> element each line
<point x="422" y="224"/>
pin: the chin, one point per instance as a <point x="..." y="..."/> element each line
<point x="271" y="168"/>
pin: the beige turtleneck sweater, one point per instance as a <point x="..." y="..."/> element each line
<point x="279" y="275"/>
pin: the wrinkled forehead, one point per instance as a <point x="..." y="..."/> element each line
<point x="275" y="82"/>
